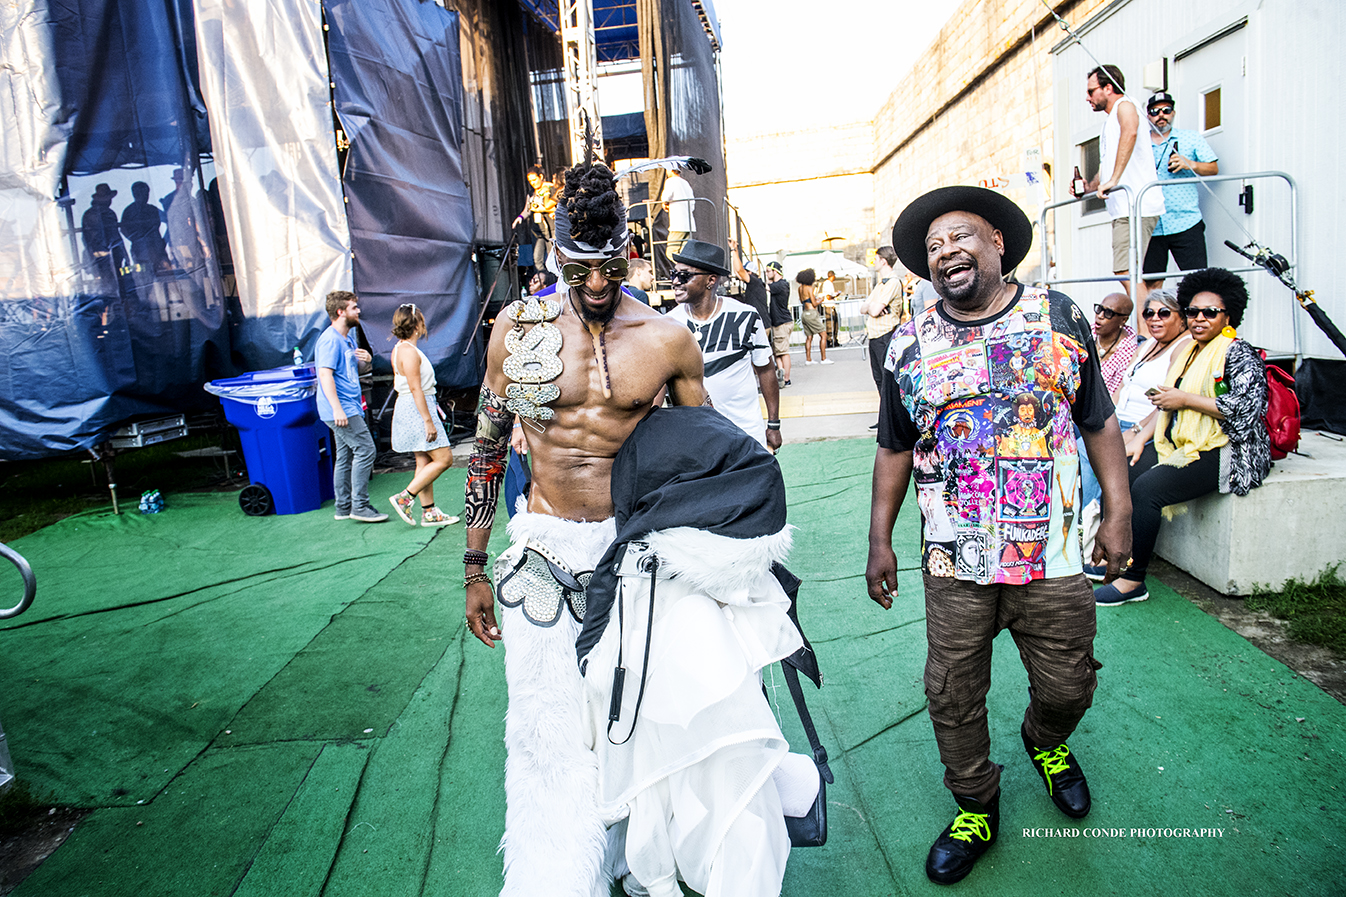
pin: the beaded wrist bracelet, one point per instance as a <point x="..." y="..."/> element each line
<point x="473" y="558"/>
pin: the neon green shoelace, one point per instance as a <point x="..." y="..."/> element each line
<point x="1052" y="762"/>
<point x="967" y="825"/>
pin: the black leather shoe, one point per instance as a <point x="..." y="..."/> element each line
<point x="1062" y="775"/>
<point x="959" y="846"/>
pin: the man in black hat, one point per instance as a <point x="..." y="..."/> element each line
<point x="733" y="342"/>
<point x="983" y="390"/>
<point x="103" y="240"/>
<point x="1179" y="156"/>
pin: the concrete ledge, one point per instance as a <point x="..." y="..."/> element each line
<point x="1291" y="527"/>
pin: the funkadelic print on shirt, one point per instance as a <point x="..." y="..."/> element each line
<point x="986" y="409"/>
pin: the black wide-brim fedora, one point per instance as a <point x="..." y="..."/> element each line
<point x="1001" y="211"/>
<point x="706" y="256"/>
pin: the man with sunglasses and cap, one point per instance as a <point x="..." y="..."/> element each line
<point x="991" y="359"/>
<point x="1179" y="156"/>
<point x="580" y="364"/>
<point x="733" y="342"/>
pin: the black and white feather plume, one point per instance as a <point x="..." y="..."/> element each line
<point x="669" y="163"/>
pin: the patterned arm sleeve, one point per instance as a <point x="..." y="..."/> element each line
<point x="1245" y="405"/>
<point x="486" y="465"/>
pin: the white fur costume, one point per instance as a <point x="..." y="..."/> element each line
<point x="555" y="840"/>
<point x="695" y="780"/>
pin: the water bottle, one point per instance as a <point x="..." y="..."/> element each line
<point x="298" y="357"/>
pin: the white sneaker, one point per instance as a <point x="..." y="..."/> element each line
<point x="827" y="361"/>
<point x="810" y="362"/>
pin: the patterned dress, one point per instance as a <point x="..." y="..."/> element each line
<point x="408" y="432"/>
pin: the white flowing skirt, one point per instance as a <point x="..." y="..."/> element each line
<point x="695" y="779"/>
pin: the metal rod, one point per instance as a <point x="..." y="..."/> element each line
<point x="29" y="581"/>
<point x="486" y="300"/>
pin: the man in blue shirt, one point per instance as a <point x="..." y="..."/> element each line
<point x="1180" y="156"/>
<point x="338" y="361"/>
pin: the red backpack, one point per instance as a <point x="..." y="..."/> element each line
<point x="1282" y="411"/>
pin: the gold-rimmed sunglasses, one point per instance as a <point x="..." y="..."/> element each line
<point x="576" y="273"/>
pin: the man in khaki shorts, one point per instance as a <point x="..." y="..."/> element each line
<point x="782" y="323"/>
<point x="1123" y="167"/>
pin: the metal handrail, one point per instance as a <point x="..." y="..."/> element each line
<point x="29" y="582"/>
<point x="1134" y="267"/>
<point x="651" y="214"/>
<point x="1134" y="259"/>
<point x="1293" y="258"/>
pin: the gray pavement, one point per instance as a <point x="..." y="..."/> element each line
<point x="817" y="392"/>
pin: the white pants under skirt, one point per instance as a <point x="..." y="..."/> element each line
<point x="555" y="841"/>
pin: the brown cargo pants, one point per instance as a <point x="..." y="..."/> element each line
<point x="1052" y="622"/>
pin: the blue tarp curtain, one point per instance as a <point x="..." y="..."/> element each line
<point x="104" y="316"/>
<point x="127" y="73"/>
<point x="399" y="99"/>
<point x="113" y="302"/>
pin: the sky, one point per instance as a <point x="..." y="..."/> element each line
<point x="787" y="63"/>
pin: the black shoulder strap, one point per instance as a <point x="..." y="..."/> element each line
<point x="619" y="674"/>
<point x="796" y="692"/>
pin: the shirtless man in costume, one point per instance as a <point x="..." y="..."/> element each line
<point x="614" y="356"/>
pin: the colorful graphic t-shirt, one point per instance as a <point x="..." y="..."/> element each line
<point x="987" y="409"/>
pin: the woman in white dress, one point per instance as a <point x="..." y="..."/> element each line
<point x="417" y="424"/>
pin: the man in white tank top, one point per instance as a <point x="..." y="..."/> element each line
<point x="1121" y="166"/>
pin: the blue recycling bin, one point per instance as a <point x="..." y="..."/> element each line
<point x="287" y="448"/>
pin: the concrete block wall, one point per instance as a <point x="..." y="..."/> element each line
<point x="791" y="155"/>
<point x="796" y="215"/>
<point x="995" y="53"/>
<point x="1000" y="48"/>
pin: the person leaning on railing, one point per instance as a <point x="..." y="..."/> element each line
<point x="1210" y="432"/>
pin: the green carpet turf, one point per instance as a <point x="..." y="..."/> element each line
<point x="149" y="632"/>
<point x="300" y="846"/>
<point x="295" y="702"/>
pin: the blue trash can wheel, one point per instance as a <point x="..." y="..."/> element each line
<point x="255" y="500"/>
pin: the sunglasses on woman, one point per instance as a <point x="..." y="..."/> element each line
<point x="575" y="274"/>
<point x="1160" y="312"/>
<point x="1107" y="313"/>
<point x="1210" y="312"/>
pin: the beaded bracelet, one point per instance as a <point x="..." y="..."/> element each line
<point x="470" y="578"/>
<point x="474" y="558"/>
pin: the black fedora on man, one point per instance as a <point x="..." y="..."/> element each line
<point x="706" y="256"/>
<point x="999" y="211"/>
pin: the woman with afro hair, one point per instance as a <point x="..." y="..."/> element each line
<point x="1210" y="433"/>
<point x="810" y="317"/>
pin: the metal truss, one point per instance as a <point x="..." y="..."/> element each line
<point x="579" y="59"/>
